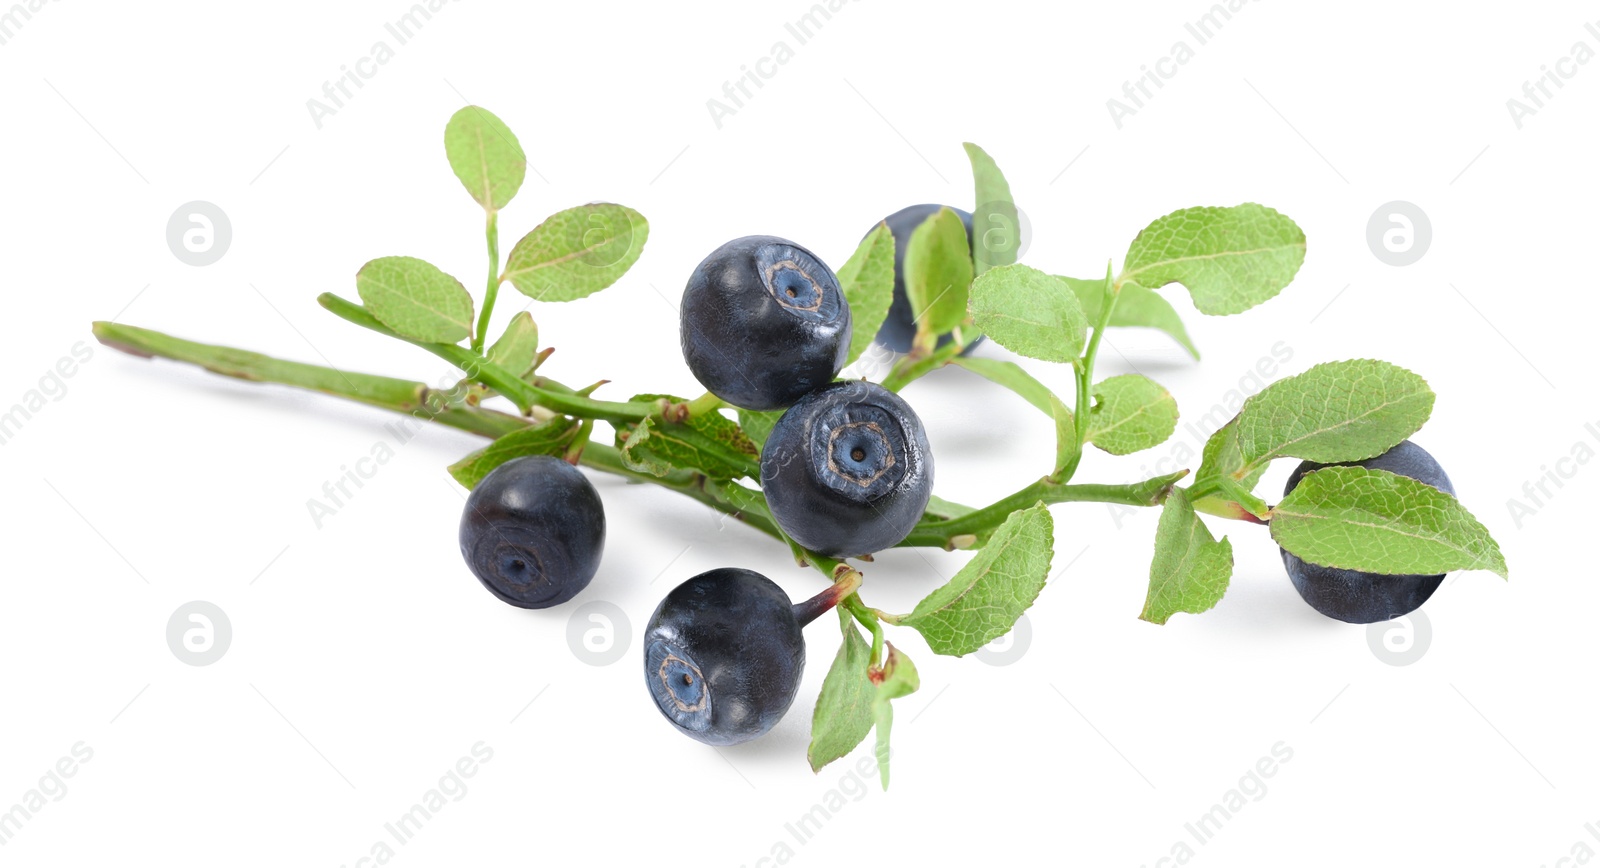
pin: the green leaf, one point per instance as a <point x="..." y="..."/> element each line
<point x="416" y="299"/>
<point x="1029" y="313"/>
<point x="1356" y="518"/>
<point x="1012" y="376"/>
<point x="867" y="279"/>
<point x="577" y="252"/>
<point x="938" y="272"/>
<point x="1131" y="412"/>
<point x="551" y="437"/>
<point x="757" y="424"/>
<point x="1230" y="259"/>
<point x="1137" y="307"/>
<point x="518" y="346"/>
<point x="485" y="155"/>
<point x="899" y="678"/>
<point x="996" y="231"/>
<point x="844" y="713"/>
<point x="710" y="443"/>
<point x="987" y="596"/>
<point x="1337" y="411"/>
<point x="1190" y="570"/>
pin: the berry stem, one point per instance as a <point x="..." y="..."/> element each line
<point x="846" y="581"/>
<point x="492" y="235"/>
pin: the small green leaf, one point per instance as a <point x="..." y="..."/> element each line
<point x="1336" y="411"/>
<point x="517" y="347"/>
<point x="938" y="272"/>
<point x="551" y="437"/>
<point x="1356" y="518"/>
<point x="577" y="252"/>
<point x="987" y="596"/>
<point x="899" y="679"/>
<point x="867" y="279"/>
<point x="485" y="155"/>
<point x="1012" y="376"/>
<point x="416" y="299"/>
<point x="1066" y="433"/>
<point x="1137" y="307"/>
<point x="1230" y="259"/>
<point x="1131" y="412"/>
<point x="844" y="713"/>
<point x="1190" y="570"/>
<point x="1029" y="313"/>
<point x="996" y="231"/>
<point x="757" y="424"/>
<point x="710" y="443"/>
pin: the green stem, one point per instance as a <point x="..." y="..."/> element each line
<point x="1083" y="369"/>
<point x="521" y="393"/>
<point x="707" y="403"/>
<point x="910" y="367"/>
<point x="492" y="234"/>
<point x="868" y="618"/>
<point x="1151" y="492"/>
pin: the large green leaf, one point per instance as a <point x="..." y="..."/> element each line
<point x="518" y="345"/>
<point x="844" y="713"/>
<point x="1230" y="259"/>
<point x="485" y="155"/>
<point x="987" y="596"/>
<point x="1337" y="411"/>
<point x="577" y="252"/>
<point x="415" y="299"/>
<point x="1029" y="313"/>
<point x="1356" y="518"/>
<point x="1190" y="570"/>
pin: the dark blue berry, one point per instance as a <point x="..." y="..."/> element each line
<point x="533" y="531"/>
<point x="1365" y="598"/>
<point x="763" y="322"/>
<point x="899" y="329"/>
<point x="723" y="654"/>
<point x="847" y="470"/>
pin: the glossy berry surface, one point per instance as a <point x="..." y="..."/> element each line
<point x="847" y="470"/>
<point x="723" y="656"/>
<point x="899" y="328"/>
<point x="1366" y="598"/>
<point x="533" y="531"/>
<point x="763" y="322"/>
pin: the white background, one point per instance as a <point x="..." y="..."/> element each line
<point x="365" y="658"/>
